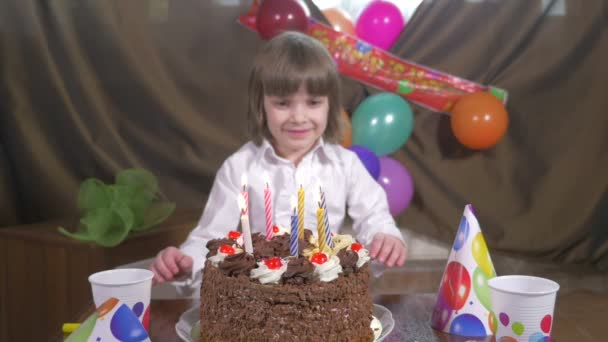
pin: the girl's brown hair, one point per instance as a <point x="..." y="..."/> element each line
<point x="282" y="65"/>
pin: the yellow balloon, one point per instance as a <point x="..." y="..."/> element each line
<point x="482" y="256"/>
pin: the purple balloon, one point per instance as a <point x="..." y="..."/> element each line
<point x="380" y="24"/>
<point x="368" y="158"/>
<point x="441" y="313"/>
<point x="397" y="183"/>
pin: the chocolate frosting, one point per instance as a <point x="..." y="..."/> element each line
<point x="304" y="244"/>
<point x="236" y="264"/>
<point x="278" y="246"/>
<point x="214" y="244"/>
<point x="348" y="261"/>
<point x="299" y="271"/>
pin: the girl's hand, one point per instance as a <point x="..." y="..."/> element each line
<point x="169" y="263"/>
<point x="388" y="249"/>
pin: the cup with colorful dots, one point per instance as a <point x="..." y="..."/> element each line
<point x="132" y="286"/>
<point x="523" y="307"/>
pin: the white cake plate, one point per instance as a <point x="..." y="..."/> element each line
<point x="189" y="321"/>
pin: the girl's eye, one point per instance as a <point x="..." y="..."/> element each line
<point x="314" y="102"/>
<point x="281" y="103"/>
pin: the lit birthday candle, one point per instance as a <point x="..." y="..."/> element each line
<point x="293" y="242"/>
<point x="245" y="224"/>
<point x="300" y="210"/>
<point x="268" y="206"/>
<point x="320" y="224"/>
<point x="323" y="205"/>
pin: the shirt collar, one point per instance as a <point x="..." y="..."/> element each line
<point x="320" y="147"/>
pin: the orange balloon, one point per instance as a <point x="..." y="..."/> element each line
<point x="479" y="120"/>
<point x="339" y="20"/>
<point x="347" y="138"/>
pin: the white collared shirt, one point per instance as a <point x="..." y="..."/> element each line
<point x="345" y="181"/>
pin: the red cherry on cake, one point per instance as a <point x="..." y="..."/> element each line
<point x="273" y="263"/>
<point x="355" y="247"/>
<point x="275" y="229"/>
<point x="319" y="258"/>
<point x="234" y="235"/>
<point x="227" y="249"/>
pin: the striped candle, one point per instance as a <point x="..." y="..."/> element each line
<point x="321" y="228"/>
<point x="245" y="194"/>
<point x="301" y="212"/>
<point x="293" y="242"/>
<point x="268" y="207"/>
<point x="327" y="236"/>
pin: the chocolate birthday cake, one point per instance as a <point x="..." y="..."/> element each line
<point x="271" y="295"/>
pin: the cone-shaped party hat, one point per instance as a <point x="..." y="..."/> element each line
<point x="463" y="301"/>
<point x="112" y="321"/>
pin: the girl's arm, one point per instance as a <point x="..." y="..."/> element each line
<point x="367" y="205"/>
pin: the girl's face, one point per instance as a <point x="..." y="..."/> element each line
<point x="296" y="122"/>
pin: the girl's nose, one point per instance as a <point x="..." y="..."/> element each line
<point x="298" y="114"/>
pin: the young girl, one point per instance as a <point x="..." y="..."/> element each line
<point x="294" y="106"/>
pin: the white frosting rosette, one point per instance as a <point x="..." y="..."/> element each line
<point x="342" y="241"/>
<point x="282" y="231"/>
<point x="328" y="270"/>
<point x="267" y="276"/>
<point x="363" y="257"/>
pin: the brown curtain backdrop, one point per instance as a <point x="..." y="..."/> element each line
<point x="91" y="87"/>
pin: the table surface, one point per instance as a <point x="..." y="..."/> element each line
<point x="411" y="313"/>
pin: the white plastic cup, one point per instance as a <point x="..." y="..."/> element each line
<point x="132" y="286"/>
<point x="523" y="307"/>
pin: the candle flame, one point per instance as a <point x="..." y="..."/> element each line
<point x="319" y="185"/>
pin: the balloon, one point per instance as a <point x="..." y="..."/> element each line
<point x="397" y="183"/>
<point x="462" y="234"/>
<point x="275" y="16"/>
<point x="382" y="122"/>
<point x="545" y="324"/>
<point x="347" y="139"/>
<point x="126" y="327"/>
<point x="456" y="285"/>
<point x="482" y="256"/>
<point x="479" y="120"/>
<point x="518" y="328"/>
<point x="369" y="160"/>
<point x="481" y="288"/>
<point x="380" y="24"/>
<point x="339" y="20"/>
<point x="492" y="322"/>
<point x="107" y="306"/>
<point x="441" y="313"/>
<point x="467" y="325"/>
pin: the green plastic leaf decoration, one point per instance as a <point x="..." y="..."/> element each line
<point x="155" y="214"/>
<point x="93" y="194"/>
<point x="139" y="178"/>
<point x="111" y="212"/>
<point x="80" y="235"/>
<point x="120" y="224"/>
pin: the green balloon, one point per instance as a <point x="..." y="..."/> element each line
<point x="481" y="288"/>
<point x="382" y="122"/>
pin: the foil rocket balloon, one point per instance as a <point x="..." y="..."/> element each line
<point x="463" y="304"/>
